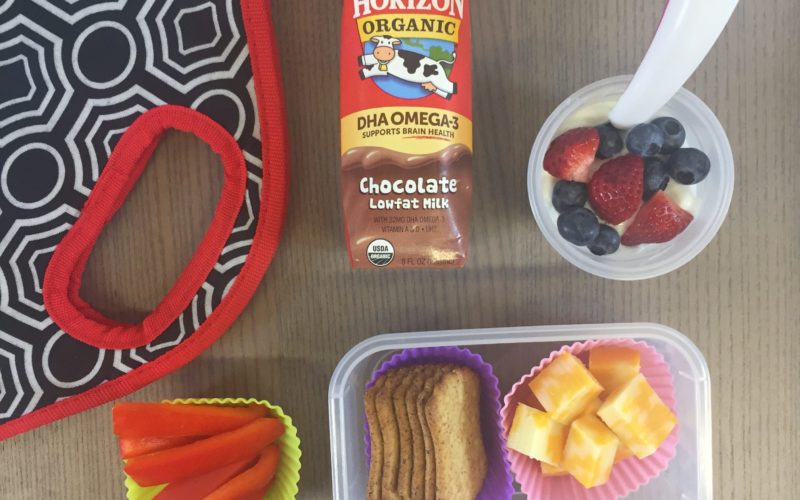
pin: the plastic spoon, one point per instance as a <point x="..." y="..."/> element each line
<point x="687" y="32"/>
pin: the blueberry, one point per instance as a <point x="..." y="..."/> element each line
<point x="579" y="226"/>
<point x="688" y="166"/>
<point x="611" y="142"/>
<point x="568" y="195"/>
<point x="674" y="134"/>
<point x="645" y="140"/>
<point x="656" y="177"/>
<point x="607" y="241"/>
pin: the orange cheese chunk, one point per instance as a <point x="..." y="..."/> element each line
<point x="623" y="452"/>
<point x="536" y="435"/>
<point x="592" y="407"/>
<point x="565" y="387"/>
<point x="552" y="471"/>
<point x="590" y="451"/>
<point x="613" y="366"/>
<point x="638" y="416"/>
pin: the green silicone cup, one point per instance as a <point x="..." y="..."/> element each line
<point x="284" y="486"/>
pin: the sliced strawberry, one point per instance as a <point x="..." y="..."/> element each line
<point x="571" y="155"/>
<point x="616" y="189"/>
<point x="659" y="220"/>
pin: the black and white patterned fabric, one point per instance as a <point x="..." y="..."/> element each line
<point x="74" y="75"/>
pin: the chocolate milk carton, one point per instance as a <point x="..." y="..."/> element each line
<point x="406" y="120"/>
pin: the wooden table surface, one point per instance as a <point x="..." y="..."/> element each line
<point x="738" y="300"/>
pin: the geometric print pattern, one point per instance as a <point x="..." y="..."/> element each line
<point x="74" y="75"/>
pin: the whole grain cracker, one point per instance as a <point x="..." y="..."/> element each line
<point x="404" y="432"/>
<point x="453" y="416"/>
<point x="429" y="489"/>
<point x="417" y="479"/>
<point x="389" y="433"/>
<point x="376" y="441"/>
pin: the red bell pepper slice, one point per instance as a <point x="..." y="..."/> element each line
<point x="137" y="420"/>
<point x="252" y="481"/>
<point x="244" y="443"/>
<point x="199" y="486"/>
<point x="134" y="447"/>
<point x="260" y="494"/>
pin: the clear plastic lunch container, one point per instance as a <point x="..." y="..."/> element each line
<point x="711" y="198"/>
<point x="513" y="352"/>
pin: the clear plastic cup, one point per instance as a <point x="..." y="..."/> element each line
<point x="513" y="352"/>
<point x="708" y="201"/>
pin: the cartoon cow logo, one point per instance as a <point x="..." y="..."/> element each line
<point x="386" y="59"/>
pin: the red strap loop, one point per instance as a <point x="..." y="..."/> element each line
<point x="62" y="282"/>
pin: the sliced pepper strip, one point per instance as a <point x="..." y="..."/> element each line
<point x="134" y="447"/>
<point x="252" y="481"/>
<point x="138" y="420"/>
<point x="205" y="455"/>
<point x="200" y="486"/>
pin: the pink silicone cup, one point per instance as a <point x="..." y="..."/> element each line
<point x="498" y="484"/>
<point x="628" y="475"/>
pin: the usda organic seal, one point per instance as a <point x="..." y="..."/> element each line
<point x="380" y="253"/>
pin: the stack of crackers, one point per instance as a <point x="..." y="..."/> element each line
<point x="425" y="434"/>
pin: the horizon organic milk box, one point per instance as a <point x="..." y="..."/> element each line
<point x="406" y="130"/>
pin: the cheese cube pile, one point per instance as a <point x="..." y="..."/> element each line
<point x="565" y="387"/>
<point x="623" y="452"/>
<point x="591" y="408"/>
<point x="590" y="451"/>
<point x="536" y="435"/>
<point x="552" y="470"/>
<point x="638" y="416"/>
<point x="594" y="418"/>
<point x="613" y="366"/>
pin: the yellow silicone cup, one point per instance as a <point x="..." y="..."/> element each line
<point x="284" y="486"/>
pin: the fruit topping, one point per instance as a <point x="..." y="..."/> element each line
<point x="607" y="241"/>
<point x="689" y="166"/>
<point x="645" y="140"/>
<point x="656" y="177"/>
<point x="611" y="142"/>
<point x="674" y="134"/>
<point x="658" y="221"/>
<point x="615" y="191"/>
<point x="579" y="226"/>
<point x="568" y="195"/>
<point x="571" y="155"/>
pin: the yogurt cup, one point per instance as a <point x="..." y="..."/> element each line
<point x="511" y="352"/>
<point x="709" y="201"/>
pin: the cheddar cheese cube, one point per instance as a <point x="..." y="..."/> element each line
<point x="536" y="435"/>
<point x="552" y="470"/>
<point x="592" y="407"/>
<point x="590" y="451"/>
<point x="565" y="388"/>
<point x="613" y="366"/>
<point x="638" y="416"/>
<point x="623" y="452"/>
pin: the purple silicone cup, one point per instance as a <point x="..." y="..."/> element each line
<point x="498" y="484"/>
